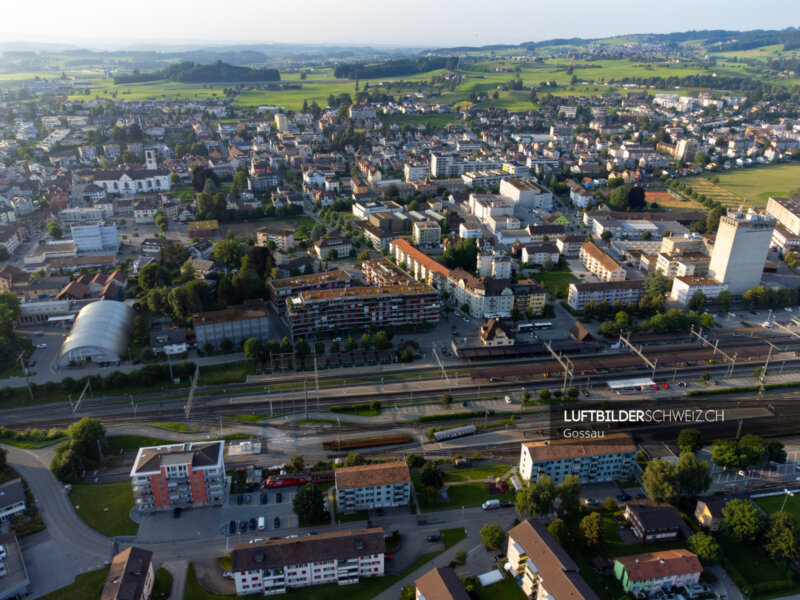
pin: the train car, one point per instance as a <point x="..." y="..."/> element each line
<point x="286" y="480"/>
<point x="321" y="476"/>
<point x="458" y="432"/>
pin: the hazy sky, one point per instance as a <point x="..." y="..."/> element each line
<point x="114" y="23"/>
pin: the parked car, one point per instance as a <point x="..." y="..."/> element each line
<point x="279" y="497"/>
<point x="586" y="393"/>
<point x="239" y="499"/>
<point x="242" y="526"/>
<point x="264" y="498"/>
<point x="292" y="537"/>
<point x="665" y="385"/>
<point x="388" y="557"/>
<point x="252" y="524"/>
<point x="248" y="499"/>
<point x="277" y="523"/>
<point x="176" y="512"/>
<point x="40" y="346"/>
<point x="232" y="527"/>
<point x="433" y="538"/>
<point x="227" y="575"/>
<point x="623" y="497"/>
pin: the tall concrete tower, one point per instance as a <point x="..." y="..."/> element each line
<point x="150" y="159"/>
<point x="740" y="250"/>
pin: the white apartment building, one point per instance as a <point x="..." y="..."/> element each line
<point x="95" y="238"/>
<point x="486" y="296"/>
<point x="373" y="486"/>
<point x="12" y="500"/>
<point x="600" y="264"/>
<point x="545" y="570"/>
<point x="415" y="171"/>
<point x="341" y="557"/>
<point x="447" y="165"/>
<point x="427" y="233"/>
<point x="527" y="193"/>
<point x="740" y="250"/>
<point x="683" y="288"/>
<point x="593" y="460"/>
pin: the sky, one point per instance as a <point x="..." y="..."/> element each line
<point x="429" y="23"/>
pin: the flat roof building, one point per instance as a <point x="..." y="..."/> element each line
<point x="235" y="323"/>
<point x="281" y="289"/>
<point x="15" y="583"/>
<point x="100" y="334"/>
<point x="740" y="250"/>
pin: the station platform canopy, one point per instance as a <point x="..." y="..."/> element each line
<point x="628" y="384"/>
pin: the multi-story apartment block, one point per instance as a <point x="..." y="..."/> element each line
<point x="179" y="475"/>
<point x="644" y="574"/>
<point x="382" y="271"/>
<point x="282" y="236"/>
<point x="624" y="291"/>
<point x="545" y="570"/>
<point x="593" y="460"/>
<point x="281" y="289"/>
<point x="235" y="323"/>
<point x="415" y="171"/>
<point x="427" y="233"/>
<point x="787" y="212"/>
<point x="421" y="266"/>
<point x="440" y="584"/>
<point x="95" y="238"/>
<point x="600" y="264"/>
<point x="346" y="309"/>
<point x="12" y="500"/>
<point x="373" y="486"/>
<point x="341" y="557"/>
<point x="683" y="288"/>
<point x="486" y="296"/>
<point x="337" y="246"/>
<point x="527" y="193"/>
<point x="740" y="250"/>
<point x="528" y="294"/>
<point x="130" y="576"/>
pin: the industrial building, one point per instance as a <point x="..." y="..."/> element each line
<point x="100" y="334"/>
<point x="235" y="323"/>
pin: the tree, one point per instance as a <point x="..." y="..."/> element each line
<point x="610" y="505"/>
<point x="694" y="477"/>
<point x="690" y="440"/>
<point x="3" y="458"/>
<point x="618" y="198"/>
<point x="591" y="527"/>
<point x="660" y="480"/>
<point x="333" y="254"/>
<point x="408" y="592"/>
<point x="558" y="529"/>
<point x="431" y="476"/>
<point x="301" y="348"/>
<point x="286" y="345"/>
<point x="363" y="256"/>
<point x="153" y="275"/>
<point x="536" y="497"/>
<point x="705" y="377"/>
<point x="350" y="344"/>
<point x="725" y="300"/>
<point x="776" y="452"/>
<point x="460" y="557"/>
<point x="706" y="547"/>
<point x="414" y="461"/>
<point x="781" y="537"/>
<point x="700" y="158"/>
<point x="544" y="395"/>
<point x="492" y="536"/>
<point x="758" y="297"/>
<point x="656" y="283"/>
<point x="698" y="301"/>
<point x="309" y="504"/>
<point x="174" y="253"/>
<point x="569" y="491"/>
<point x="462" y="254"/>
<point x="253" y="348"/>
<point x="86" y="434"/>
<point x="229" y="253"/>
<point x="161" y="221"/>
<point x="741" y="519"/>
<point x="354" y="459"/>
<point x="54" y="230"/>
<point x="447" y="399"/>
<point x="366" y="341"/>
<point x="297" y="464"/>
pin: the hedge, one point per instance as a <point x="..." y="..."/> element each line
<point x="460" y="415"/>
<point x="747" y="388"/>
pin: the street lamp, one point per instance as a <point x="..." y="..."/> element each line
<point x="785" y="498"/>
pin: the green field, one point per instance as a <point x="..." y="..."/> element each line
<point x="756" y="567"/>
<point x="502" y="590"/>
<point x="754" y="185"/>
<point x="86" y="585"/>
<point x="105" y="507"/>
<point x="476" y="474"/>
<point x="463" y="494"/>
<point x="162" y="587"/>
<point x="773" y="504"/>
<point x="450" y="537"/>
<point x="555" y="282"/>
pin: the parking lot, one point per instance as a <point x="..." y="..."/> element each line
<point x="277" y="510"/>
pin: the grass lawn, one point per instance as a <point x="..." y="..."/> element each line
<point x="194" y="590"/>
<point x="127" y="443"/>
<point x="450" y="537"/>
<point x="773" y="504"/>
<point x="105" y="507"/>
<point x="86" y="585"/>
<point x="465" y="494"/>
<point x="555" y="281"/>
<point x="752" y="565"/>
<point x="755" y="184"/>
<point x="502" y="590"/>
<point x="30" y="442"/>
<point x="476" y="474"/>
<point x="232" y="372"/>
<point x="162" y="587"/>
<point x="614" y="546"/>
<point x="175" y="427"/>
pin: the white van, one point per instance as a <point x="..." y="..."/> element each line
<point x="490" y="504"/>
<point x="261" y="523"/>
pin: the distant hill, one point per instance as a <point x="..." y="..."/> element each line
<point x="189" y="72"/>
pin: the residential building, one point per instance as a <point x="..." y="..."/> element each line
<point x="282" y="289"/>
<point x="421" y="266"/>
<point x="593" y="460"/>
<point x="415" y="171"/>
<point x="341" y="557"/>
<point x="382" y="485"/>
<point x="538" y="254"/>
<point x="378" y="238"/>
<point x="652" y="572"/>
<point x="361" y="111"/>
<point x="527" y="193"/>
<point x="166" y="338"/>
<point x="485" y="296"/>
<point x="179" y="475"/>
<point x="624" y="291"/>
<point x="740" y="250"/>
<point x="529" y="294"/>
<point x="440" y="583"/>
<point x="427" y="233"/>
<point x="382" y="271"/>
<point x="334" y="246"/>
<point x="786" y="211"/>
<point x="653" y="522"/>
<point x="12" y="500"/>
<point x="95" y="238"/>
<point x="570" y="245"/>
<point x="282" y="236"/>
<point x="16" y="582"/>
<point x="683" y="288"/>
<point x="130" y="576"/>
<point x="152" y="246"/>
<point x="600" y="264"/>
<point x="235" y="323"/>
<point x="708" y="512"/>
<point x="406" y="304"/>
<point x="544" y="569"/>
<point x="145" y="210"/>
<point x="496" y="333"/>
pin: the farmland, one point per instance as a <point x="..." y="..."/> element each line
<point x="753" y="186"/>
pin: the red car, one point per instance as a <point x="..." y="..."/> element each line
<point x="388" y="557"/>
<point x="654" y="386"/>
<point x="665" y="386"/>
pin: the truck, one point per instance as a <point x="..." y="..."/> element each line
<point x="490" y="504"/>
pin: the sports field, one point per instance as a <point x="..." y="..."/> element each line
<point x="773" y="504"/>
<point x="751" y="186"/>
